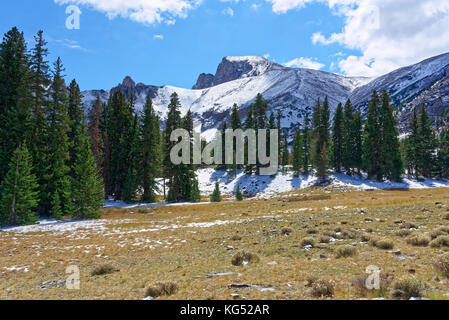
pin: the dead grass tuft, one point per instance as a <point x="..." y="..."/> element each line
<point x="406" y="288"/>
<point x="442" y="241"/>
<point x="162" y="289"/>
<point x="244" y="257"/>
<point x="346" y="251"/>
<point x="418" y="240"/>
<point x="308" y="242"/>
<point x="442" y="265"/>
<point x="323" y="288"/>
<point x="103" y="269"/>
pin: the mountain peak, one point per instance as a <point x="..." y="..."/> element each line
<point x="235" y="67"/>
<point x="128" y="82"/>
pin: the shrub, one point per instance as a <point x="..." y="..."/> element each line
<point x="360" y="284"/>
<point x="439" y="242"/>
<point x="103" y="269"/>
<point x="407" y="288"/>
<point x="287" y="231"/>
<point x="240" y="257"/>
<point x="442" y="265"/>
<point x="446" y="216"/>
<point x="322" y="288"/>
<point x="308" y="242"/>
<point x="346" y="251"/>
<point x="312" y="231"/>
<point x="162" y="289"/>
<point x="236" y="238"/>
<point x="216" y="195"/>
<point x="238" y="194"/>
<point x="440" y="232"/>
<point x="418" y="241"/>
<point x="385" y="244"/>
<point x="408" y="225"/>
<point x="324" y="239"/>
<point x="403" y="233"/>
<point x="365" y="238"/>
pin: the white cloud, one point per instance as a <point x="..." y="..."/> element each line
<point x="228" y="12"/>
<point x="266" y="55"/>
<point x="307" y="63"/>
<point x="388" y="33"/>
<point x="142" y="11"/>
<point x="158" y="37"/>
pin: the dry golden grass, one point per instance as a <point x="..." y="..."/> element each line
<point x="192" y="246"/>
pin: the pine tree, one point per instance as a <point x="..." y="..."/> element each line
<point x="40" y="80"/>
<point x="121" y="133"/>
<point x="297" y="154"/>
<point x="411" y="145"/>
<point x="94" y="131"/>
<point x="320" y="121"/>
<point x="18" y="192"/>
<point x="337" y="139"/>
<point x="76" y="121"/>
<point x="306" y="145"/>
<point x="260" y="116"/>
<point x="87" y="186"/>
<point x="238" y="194"/>
<point x="105" y="148"/>
<point x="236" y="123"/>
<point x="216" y="195"/>
<point x="392" y="166"/>
<point x="348" y="137"/>
<point x="15" y="96"/>
<point x="372" y="153"/>
<point x="284" y="150"/>
<point x="131" y="180"/>
<point x="190" y="189"/>
<point x="427" y="144"/>
<point x="250" y="123"/>
<point x="150" y="152"/>
<point x="356" y="142"/>
<point x="443" y="154"/>
<point x="56" y="197"/>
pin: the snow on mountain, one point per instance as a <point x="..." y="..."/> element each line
<point x="293" y="91"/>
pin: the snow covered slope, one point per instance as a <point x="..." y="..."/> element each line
<point x="293" y="91"/>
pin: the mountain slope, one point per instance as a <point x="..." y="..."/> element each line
<point x="293" y="91"/>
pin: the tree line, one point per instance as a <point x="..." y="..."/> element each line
<point x="56" y="161"/>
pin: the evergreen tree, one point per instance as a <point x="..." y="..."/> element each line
<point x="76" y="121"/>
<point x="121" y="133"/>
<point x="216" y="195"/>
<point x="320" y="121"/>
<point x="15" y="96"/>
<point x="87" y="186"/>
<point x="236" y="123"/>
<point x="392" y="166"/>
<point x="443" y="154"/>
<point x="297" y="154"/>
<point x="306" y="145"/>
<point x="105" y="149"/>
<point x="356" y="142"/>
<point x="131" y="179"/>
<point x="337" y="139"/>
<point x="56" y="197"/>
<point x="411" y="145"/>
<point x="238" y="194"/>
<point x="18" y="192"/>
<point x="94" y="131"/>
<point x="150" y="152"/>
<point x="372" y="153"/>
<point x="250" y="123"/>
<point x="284" y="150"/>
<point x="427" y="144"/>
<point x="40" y="80"/>
<point x="260" y="112"/>
<point x="348" y="132"/>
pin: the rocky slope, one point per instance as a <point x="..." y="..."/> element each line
<point x="293" y="91"/>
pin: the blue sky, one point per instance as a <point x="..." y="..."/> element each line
<point x="171" y="46"/>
